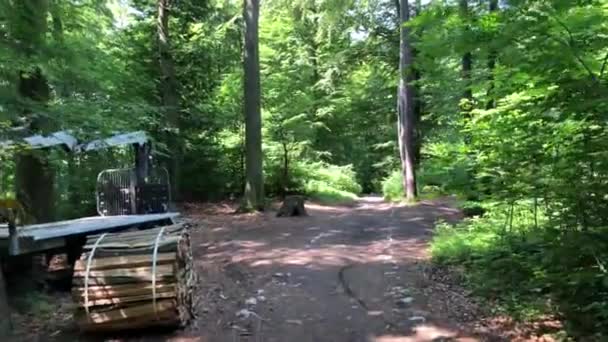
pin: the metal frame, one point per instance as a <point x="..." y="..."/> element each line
<point x="131" y="184"/>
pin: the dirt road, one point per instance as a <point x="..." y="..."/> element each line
<point x="356" y="273"/>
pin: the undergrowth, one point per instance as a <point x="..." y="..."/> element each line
<point x="321" y="181"/>
<point x="326" y="194"/>
<point x="531" y="268"/>
<point x="330" y="184"/>
<point x="444" y="171"/>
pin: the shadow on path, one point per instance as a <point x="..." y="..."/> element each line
<point x="342" y="274"/>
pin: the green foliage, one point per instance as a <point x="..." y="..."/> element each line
<point x="338" y="177"/>
<point x="446" y="167"/>
<point x="530" y="145"/>
<point x="533" y="151"/>
<point x="445" y="170"/>
<point x="327" y="183"/>
<point x="392" y="186"/>
<point x="324" y="193"/>
<point x="532" y="271"/>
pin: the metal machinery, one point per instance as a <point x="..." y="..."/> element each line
<point x="137" y="197"/>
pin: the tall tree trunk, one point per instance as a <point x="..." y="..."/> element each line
<point x="405" y="106"/>
<point x="491" y="63"/>
<point x="254" y="185"/>
<point x="57" y="21"/>
<point x="285" y="168"/>
<point x="169" y="93"/>
<point x="5" y="311"/>
<point x="34" y="179"/>
<point x="418" y="103"/>
<point x="34" y="182"/>
<point x="467" y="57"/>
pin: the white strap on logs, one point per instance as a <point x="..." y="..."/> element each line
<point x="86" y="274"/>
<point x="154" y="257"/>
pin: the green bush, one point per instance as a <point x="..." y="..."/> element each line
<point x="392" y="186"/>
<point x="446" y="169"/>
<point x="325" y="193"/>
<point x="341" y="178"/>
<point x="324" y="182"/>
<point x="531" y="270"/>
<point x="330" y="184"/>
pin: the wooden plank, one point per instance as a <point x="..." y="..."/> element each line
<point x="121" y="280"/>
<point x="27" y="246"/>
<point x="124" y="287"/>
<point x="148" y="250"/>
<point x="127" y="299"/>
<point x="123" y="261"/>
<point x="163" y="319"/>
<point x="120" y="314"/>
<point x="122" y="290"/>
<point x="137" y="233"/>
<point x="135" y="272"/>
<point x="90" y="225"/>
<point x="129" y="240"/>
<point x="120" y="293"/>
<point x="135" y="244"/>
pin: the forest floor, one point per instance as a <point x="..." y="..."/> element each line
<point x="344" y="273"/>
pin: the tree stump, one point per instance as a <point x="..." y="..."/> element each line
<point x="292" y="206"/>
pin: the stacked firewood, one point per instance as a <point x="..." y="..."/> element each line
<point x="134" y="280"/>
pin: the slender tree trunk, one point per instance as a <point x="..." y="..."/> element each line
<point x="491" y="63"/>
<point x="405" y="107"/>
<point x="467" y="57"/>
<point x="169" y="93"/>
<point x="254" y="185"/>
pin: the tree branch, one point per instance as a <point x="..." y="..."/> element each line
<point x="571" y="45"/>
<point x="604" y="64"/>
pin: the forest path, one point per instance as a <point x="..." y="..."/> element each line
<point x="356" y="273"/>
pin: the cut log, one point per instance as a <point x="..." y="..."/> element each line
<point x="133" y="280"/>
<point x="292" y="206"/>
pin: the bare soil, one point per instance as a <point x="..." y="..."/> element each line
<point x="343" y="273"/>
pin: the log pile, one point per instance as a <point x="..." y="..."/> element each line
<point x="135" y="280"/>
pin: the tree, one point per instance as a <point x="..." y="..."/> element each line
<point x="5" y="310"/>
<point x="491" y="61"/>
<point x="254" y="183"/>
<point x="168" y="92"/>
<point x="34" y="178"/>
<point x="467" y="57"/>
<point x="405" y="106"/>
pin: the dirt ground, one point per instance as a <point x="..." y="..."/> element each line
<point x="343" y="273"/>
